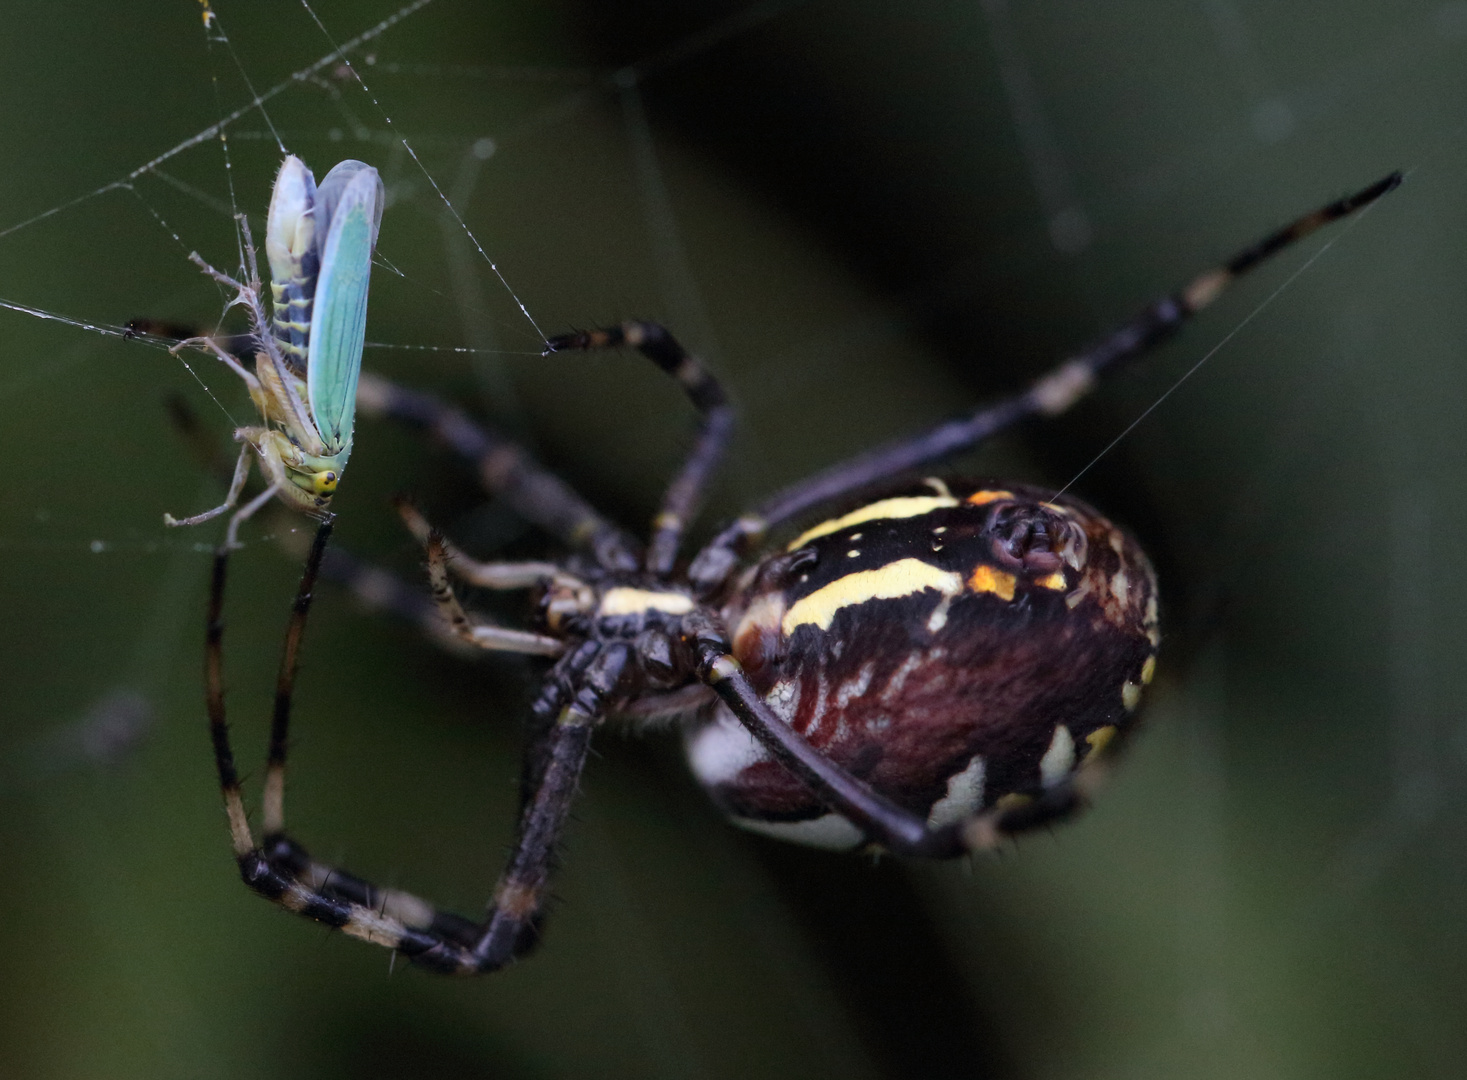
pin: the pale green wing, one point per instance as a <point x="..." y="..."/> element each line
<point x="349" y="213"/>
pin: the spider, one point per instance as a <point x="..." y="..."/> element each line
<point x="938" y="665"/>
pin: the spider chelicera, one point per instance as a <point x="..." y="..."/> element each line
<point x="935" y="667"/>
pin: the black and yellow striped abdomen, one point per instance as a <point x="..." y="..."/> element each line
<point x="959" y="646"/>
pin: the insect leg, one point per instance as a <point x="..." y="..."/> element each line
<point x="247" y="511"/>
<point x="376" y="589"/>
<point x="236" y="486"/>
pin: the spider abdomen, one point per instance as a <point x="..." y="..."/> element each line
<point x="958" y="646"/>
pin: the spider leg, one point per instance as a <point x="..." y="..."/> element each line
<point x="716" y="421"/>
<point x="512" y="927"/>
<point x="280" y="869"/>
<point x="495" y="575"/>
<point x="273" y="819"/>
<point x="381" y="591"/>
<point x="886" y="824"/>
<point x="492" y="638"/>
<point x="537" y="495"/>
<point x="1052" y="393"/>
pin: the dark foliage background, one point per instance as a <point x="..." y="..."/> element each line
<point x="866" y="217"/>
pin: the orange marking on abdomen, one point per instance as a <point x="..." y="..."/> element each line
<point x="986" y="579"/>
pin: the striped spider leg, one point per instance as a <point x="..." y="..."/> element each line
<point x="926" y="672"/>
<point x="586" y="680"/>
<point x="1048" y="396"/>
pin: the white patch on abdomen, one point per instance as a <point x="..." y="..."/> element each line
<point x="784" y="699"/>
<point x="964" y="796"/>
<point x="721" y="749"/>
<point x="830" y="831"/>
<point x="856" y="687"/>
<point x="1059" y="759"/>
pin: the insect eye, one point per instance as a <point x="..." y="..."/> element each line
<point x="1032" y="538"/>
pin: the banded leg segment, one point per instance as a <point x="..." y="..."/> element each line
<point x="441" y="941"/>
<point x="281" y="870"/>
<point x="486" y="575"/>
<point x="514" y="917"/>
<point x="443" y="558"/>
<point x="1050" y="395"/>
<point x="505" y="468"/>
<point x="382" y="591"/>
<point x="716" y="421"/>
<point x="273" y="820"/>
<point x="489" y="637"/>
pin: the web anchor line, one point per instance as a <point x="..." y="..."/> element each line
<point x="201" y="137"/>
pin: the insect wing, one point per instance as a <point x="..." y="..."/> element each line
<point x="349" y="213"/>
<point x="333" y="189"/>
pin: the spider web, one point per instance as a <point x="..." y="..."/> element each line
<point x="1300" y="784"/>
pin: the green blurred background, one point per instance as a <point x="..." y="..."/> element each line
<point x="867" y="217"/>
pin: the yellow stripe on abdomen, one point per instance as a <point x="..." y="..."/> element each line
<point x="904" y="507"/>
<point x="905" y="577"/>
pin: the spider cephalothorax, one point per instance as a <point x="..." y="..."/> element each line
<point x="933" y="668"/>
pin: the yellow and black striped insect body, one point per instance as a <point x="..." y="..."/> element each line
<point x="965" y="649"/>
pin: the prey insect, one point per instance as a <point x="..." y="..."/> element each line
<point x="937" y="665"/>
<point x="308" y="349"/>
